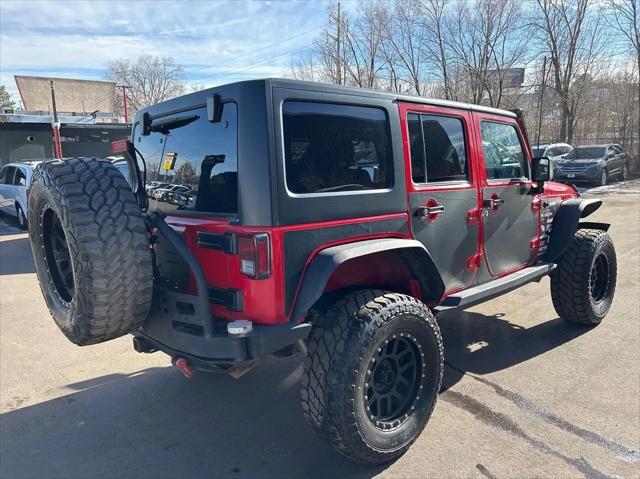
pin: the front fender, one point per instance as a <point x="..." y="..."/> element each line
<point x="567" y="221"/>
<point x="323" y="265"/>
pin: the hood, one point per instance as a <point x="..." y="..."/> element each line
<point x="577" y="161"/>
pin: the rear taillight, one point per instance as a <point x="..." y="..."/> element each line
<point x="119" y="146"/>
<point x="254" y="255"/>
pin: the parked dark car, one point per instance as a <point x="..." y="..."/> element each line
<point x="592" y="164"/>
<point x="182" y="198"/>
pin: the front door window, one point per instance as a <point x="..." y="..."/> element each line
<point x="503" y="153"/>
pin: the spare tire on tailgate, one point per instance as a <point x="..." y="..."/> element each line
<point x="90" y="248"/>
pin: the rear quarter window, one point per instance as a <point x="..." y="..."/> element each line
<point x="332" y="148"/>
<point x="206" y="163"/>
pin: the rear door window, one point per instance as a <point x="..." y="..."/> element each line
<point x="333" y="148"/>
<point x="437" y="148"/>
<point x="199" y="155"/>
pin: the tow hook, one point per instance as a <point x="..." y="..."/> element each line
<point x="182" y="365"/>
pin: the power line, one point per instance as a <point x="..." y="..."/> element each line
<point x="268" y="60"/>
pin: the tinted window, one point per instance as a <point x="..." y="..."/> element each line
<point x="416" y="145"/>
<point x="444" y="146"/>
<point x="205" y="159"/>
<point x="586" y="152"/>
<point x="6" y="175"/>
<point x="538" y="152"/>
<point x="437" y="148"/>
<point x="503" y="155"/>
<point x="21" y="178"/>
<point x="330" y="148"/>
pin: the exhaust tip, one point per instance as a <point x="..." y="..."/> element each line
<point x="182" y="365"/>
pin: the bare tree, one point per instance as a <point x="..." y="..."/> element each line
<point x="364" y="40"/>
<point x="150" y="80"/>
<point x="486" y="40"/>
<point x="403" y="47"/>
<point x="330" y="47"/>
<point x="571" y="34"/>
<point x="434" y="34"/>
<point x="625" y="18"/>
<point x="303" y="67"/>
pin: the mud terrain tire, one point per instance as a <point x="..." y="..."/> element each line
<point x="349" y="371"/>
<point x="90" y="249"/>
<point x="583" y="284"/>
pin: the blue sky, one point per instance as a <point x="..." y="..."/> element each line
<point x="215" y="41"/>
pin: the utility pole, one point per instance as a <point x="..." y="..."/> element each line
<point x="544" y="80"/>
<point x="338" y="59"/>
<point x="124" y="101"/>
<point x="57" y="143"/>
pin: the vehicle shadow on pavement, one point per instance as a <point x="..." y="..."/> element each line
<point x="9" y="225"/>
<point x="155" y="423"/>
<point x="480" y="344"/>
<point x="16" y="257"/>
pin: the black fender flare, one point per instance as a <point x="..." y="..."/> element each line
<point x="567" y="221"/>
<point x="325" y="262"/>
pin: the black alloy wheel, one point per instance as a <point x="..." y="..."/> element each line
<point x="393" y="380"/>
<point x="600" y="278"/>
<point x="372" y="373"/>
<point x="57" y="256"/>
<point x="584" y="283"/>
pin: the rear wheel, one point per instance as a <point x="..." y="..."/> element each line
<point x="584" y="283"/>
<point x="22" y="219"/>
<point x="372" y="374"/>
<point x="90" y="249"/>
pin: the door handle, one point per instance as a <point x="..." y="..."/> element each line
<point x="430" y="213"/>
<point x="493" y="203"/>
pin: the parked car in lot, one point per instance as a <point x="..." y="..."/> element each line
<point x="151" y="186"/>
<point x="14" y="192"/>
<point x="592" y="164"/>
<point x="161" y="194"/>
<point x="182" y="198"/>
<point x="554" y="151"/>
<point x="329" y="221"/>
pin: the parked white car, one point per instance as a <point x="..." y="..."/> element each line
<point x="14" y="183"/>
<point x="555" y="151"/>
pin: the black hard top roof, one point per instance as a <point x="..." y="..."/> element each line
<point x="346" y="90"/>
<point x="337" y="89"/>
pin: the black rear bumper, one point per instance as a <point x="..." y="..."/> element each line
<point x="221" y="350"/>
<point x="182" y="324"/>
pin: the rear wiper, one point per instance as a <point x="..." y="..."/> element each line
<point x="165" y="126"/>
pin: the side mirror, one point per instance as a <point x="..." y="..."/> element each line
<point x="541" y="170"/>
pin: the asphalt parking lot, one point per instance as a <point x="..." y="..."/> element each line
<point x="525" y="394"/>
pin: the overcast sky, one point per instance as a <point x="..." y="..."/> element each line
<point x="215" y="41"/>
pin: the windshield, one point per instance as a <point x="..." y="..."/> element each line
<point x="193" y="155"/>
<point x="538" y="152"/>
<point x="586" y="152"/>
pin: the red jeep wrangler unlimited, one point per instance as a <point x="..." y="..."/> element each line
<point x="332" y="220"/>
